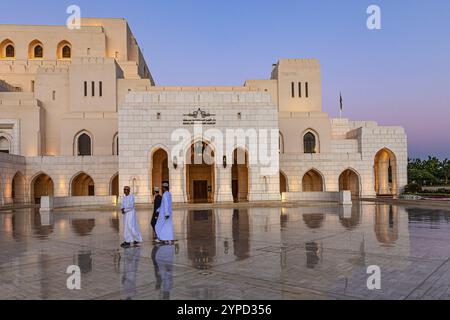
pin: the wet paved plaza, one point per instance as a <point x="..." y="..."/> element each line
<point x="311" y="252"/>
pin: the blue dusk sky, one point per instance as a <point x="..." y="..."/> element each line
<point x="399" y="75"/>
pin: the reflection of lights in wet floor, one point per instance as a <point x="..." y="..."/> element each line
<point x="314" y="246"/>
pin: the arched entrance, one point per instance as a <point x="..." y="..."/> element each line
<point x="200" y="175"/>
<point x="385" y="169"/>
<point x="41" y="186"/>
<point x="115" y="186"/>
<point x="283" y="183"/>
<point x="349" y="181"/>
<point x="160" y="168"/>
<point x="239" y="173"/>
<point x="312" y="182"/>
<point x="82" y="186"/>
<point x="18" y="189"/>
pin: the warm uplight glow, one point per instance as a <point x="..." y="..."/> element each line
<point x="62" y="187"/>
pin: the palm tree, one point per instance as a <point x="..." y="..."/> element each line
<point x="445" y="169"/>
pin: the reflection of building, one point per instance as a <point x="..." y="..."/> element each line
<point x="313" y="252"/>
<point x="354" y="219"/>
<point x="83" y="227"/>
<point x="115" y="222"/>
<point x="386" y="224"/>
<point x="201" y="238"/>
<point x="241" y="234"/>
<point x="40" y="229"/>
<point x="284" y="218"/>
<point x="421" y="220"/>
<point x="67" y="95"/>
<point x="84" y="261"/>
<point x="314" y="221"/>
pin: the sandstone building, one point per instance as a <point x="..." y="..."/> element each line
<point x="81" y="116"/>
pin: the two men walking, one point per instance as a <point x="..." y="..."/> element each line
<point x="161" y="221"/>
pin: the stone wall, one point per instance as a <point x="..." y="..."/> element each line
<point x="63" y="202"/>
<point x="10" y="165"/>
<point x="147" y="121"/>
<point x="341" y="197"/>
<point x="371" y="139"/>
<point x="61" y="170"/>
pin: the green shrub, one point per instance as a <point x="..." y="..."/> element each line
<point x="413" y="188"/>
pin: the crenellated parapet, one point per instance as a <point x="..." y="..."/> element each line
<point x="31" y="66"/>
<point x="19" y="99"/>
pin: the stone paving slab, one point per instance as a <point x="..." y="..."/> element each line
<point x="310" y="252"/>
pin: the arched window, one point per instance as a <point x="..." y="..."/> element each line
<point x="281" y="143"/>
<point x="66" y="52"/>
<point x="10" y="51"/>
<point x="38" y="51"/>
<point x="7" y="49"/>
<point x="84" y="144"/>
<point x="5" y="145"/>
<point x="116" y="145"/>
<point x="309" y="143"/>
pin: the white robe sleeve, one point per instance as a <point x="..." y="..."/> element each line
<point x="131" y="204"/>
<point x="163" y="209"/>
<point x="169" y="205"/>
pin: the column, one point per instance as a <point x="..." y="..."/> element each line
<point x="177" y="183"/>
<point x="223" y="184"/>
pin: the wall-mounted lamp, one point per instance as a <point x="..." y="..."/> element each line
<point x="158" y="116"/>
<point x="175" y="163"/>
<point x="239" y="115"/>
<point x="225" y="162"/>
